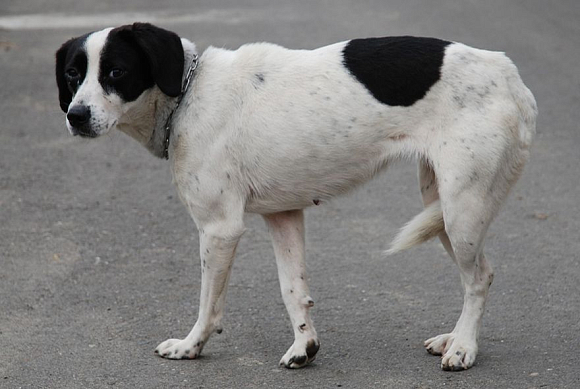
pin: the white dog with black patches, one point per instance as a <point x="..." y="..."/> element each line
<point x="268" y="130"/>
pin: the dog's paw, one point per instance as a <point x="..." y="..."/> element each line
<point x="179" y="349"/>
<point x="460" y="356"/>
<point x="439" y="344"/>
<point x="457" y="354"/>
<point x="300" y="354"/>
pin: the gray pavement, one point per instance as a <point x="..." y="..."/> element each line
<point x="98" y="258"/>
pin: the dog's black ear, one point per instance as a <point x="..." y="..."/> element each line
<point x="64" y="94"/>
<point x="164" y="52"/>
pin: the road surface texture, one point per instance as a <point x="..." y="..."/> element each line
<point x="99" y="260"/>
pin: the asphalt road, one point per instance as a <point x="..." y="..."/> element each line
<point x="99" y="260"/>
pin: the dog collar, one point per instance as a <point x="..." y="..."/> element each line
<point x="186" y="82"/>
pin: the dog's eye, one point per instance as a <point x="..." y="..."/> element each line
<point x="117" y="73"/>
<point x="71" y="73"/>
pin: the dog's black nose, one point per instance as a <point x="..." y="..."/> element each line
<point x="78" y="115"/>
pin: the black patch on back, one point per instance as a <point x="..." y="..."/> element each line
<point x="71" y="54"/>
<point x="397" y="71"/>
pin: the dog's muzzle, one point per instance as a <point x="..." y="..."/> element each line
<point x="79" y="117"/>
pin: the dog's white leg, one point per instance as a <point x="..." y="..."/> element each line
<point x="459" y="348"/>
<point x="464" y="239"/>
<point x="287" y="231"/>
<point x="469" y="202"/>
<point x="218" y="243"/>
<point x="430" y="193"/>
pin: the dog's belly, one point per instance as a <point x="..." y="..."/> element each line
<point x="300" y="167"/>
<point x="292" y="195"/>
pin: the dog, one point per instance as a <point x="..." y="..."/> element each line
<point x="268" y="130"/>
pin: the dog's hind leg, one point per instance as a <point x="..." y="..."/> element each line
<point x="471" y="194"/>
<point x="429" y="194"/>
<point x="218" y="242"/>
<point x="287" y="232"/>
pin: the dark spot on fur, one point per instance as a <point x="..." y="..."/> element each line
<point x="316" y="201"/>
<point x="459" y="101"/>
<point x="312" y="348"/>
<point x="301" y="327"/>
<point x="299" y="360"/>
<point x="397" y="71"/>
<point x="484" y="93"/>
<point x="260" y="77"/>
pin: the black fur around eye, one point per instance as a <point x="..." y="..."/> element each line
<point x="117" y="73"/>
<point x="71" y="73"/>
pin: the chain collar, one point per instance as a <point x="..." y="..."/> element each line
<point x="186" y="82"/>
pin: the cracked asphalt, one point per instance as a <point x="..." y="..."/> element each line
<point x="99" y="260"/>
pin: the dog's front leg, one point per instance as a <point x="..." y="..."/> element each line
<point x="287" y="231"/>
<point x="218" y="243"/>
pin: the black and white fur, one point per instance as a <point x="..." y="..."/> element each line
<point x="268" y="130"/>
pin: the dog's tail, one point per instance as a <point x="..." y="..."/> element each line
<point x="426" y="225"/>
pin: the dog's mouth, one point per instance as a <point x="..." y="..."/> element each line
<point x="88" y="134"/>
<point x="84" y="132"/>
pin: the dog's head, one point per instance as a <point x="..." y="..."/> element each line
<point x="100" y="75"/>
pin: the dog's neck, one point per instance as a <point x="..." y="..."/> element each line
<point x="146" y="120"/>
